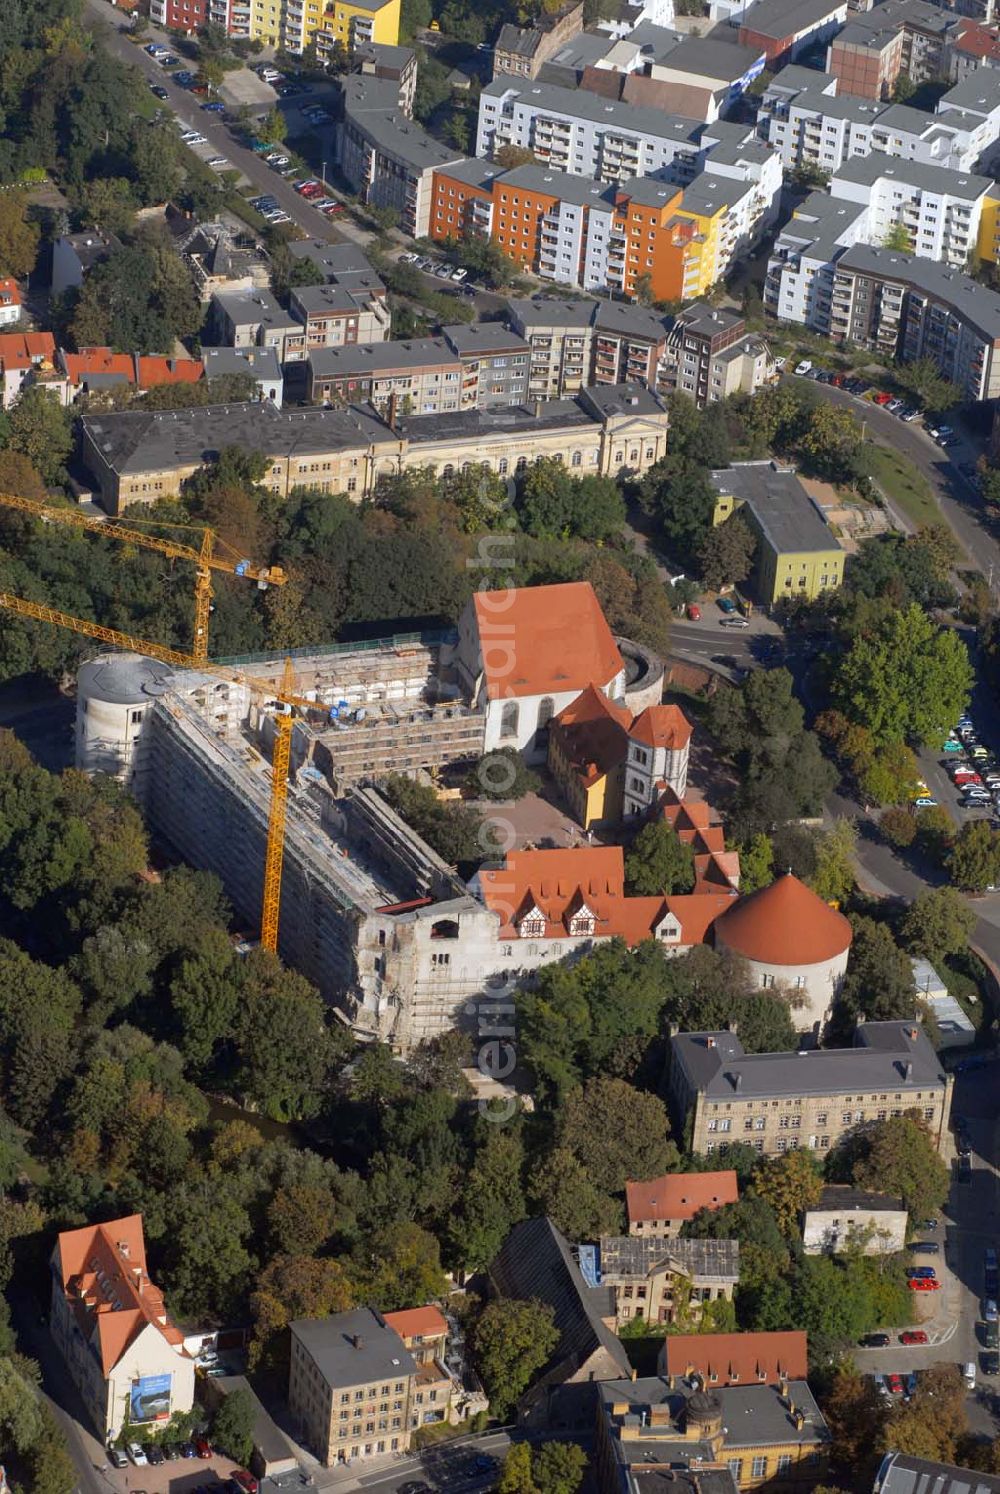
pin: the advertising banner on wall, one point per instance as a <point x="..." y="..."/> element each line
<point x="151" y="1398"/>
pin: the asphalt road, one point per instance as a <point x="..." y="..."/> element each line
<point x="970" y="1222"/>
<point x="187" y="108"/>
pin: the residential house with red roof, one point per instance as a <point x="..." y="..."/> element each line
<point x="10" y="302"/>
<point x="659" y="1206"/>
<point x="438" y="1394"/>
<point x="96" y="370"/>
<point x="124" y="1353"/>
<point x="25" y="357"/>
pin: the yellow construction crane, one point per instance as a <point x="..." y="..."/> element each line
<point x="204" y="558"/>
<point x="283" y="723"/>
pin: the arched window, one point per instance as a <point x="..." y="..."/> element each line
<point x="522" y="464"/>
<point x="466" y="466"/>
<point x="448" y="470"/>
<point x="445" y="928"/>
<point x="509" y="719"/>
<point x="578" y="459"/>
<point x="546" y="710"/>
<point x="502" y="466"/>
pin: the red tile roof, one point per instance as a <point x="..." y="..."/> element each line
<point x="155" y="371"/>
<point x="102" y="1268"/>
<point x="679" y="1195"/>
<point x="418" y="1322"/>
<point x="662" y="726"/>
<point x="10" y="294"/>
<point x="89" y="361"/>
<point x="561" y="884"/>
<point x="784" y="924"/>
<point x="737" y="1358"/>
<point x="22" y="349"/>
<point x="976" y="40"/>
<point x="592" y="733"/>
<point x="544" y="640"/>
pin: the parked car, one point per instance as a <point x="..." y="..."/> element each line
<point x="894" y="405"/>
<point x="922" y="1273"/>
<point x="188" y="1450"/>
<point x="214" y="107"/>
<point x="969" y="1375"/>
<point x="154" y="1455"/>
<point x="734" y="622"/>
<point x="137" y="1455"/>
<point x="694" y="612"/>
<point x="913" y="1336"/>
<point x="460" y="273"/>
<point x="990" y="1310"/>
<point x="803" y="368"/>
<point x="923" y="1284"/>
<point x="925" y="1247"/>
<point x="926" y="801"/>
<point x="908" y="414"/>
<point x="726" y="605"/>
<point x="203" y="1447"/>
<point x="881" y="398"/>
<point x="244" y="1480"/>
<point x="117" y="1458"/>
<point x="895" y="1384"/>
<point x="875" y="1341"/>
<point x="990" y="1363"/>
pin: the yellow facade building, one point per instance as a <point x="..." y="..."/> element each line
<point x="294" y="24"/>
<point x="988" y="238"/>
<point x="761" y="1435"/>
<point x="798" y="555"/>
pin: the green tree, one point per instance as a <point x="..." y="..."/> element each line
<point x="19" y="236"/>
<point x="922" y="379"/>
<point x="833" y="878"/>
<point x="898" y="1157"/>
<point x="233" y="1424"/>
<point x="492" y="1200"/>
<point x="456" y="831"/>
<point x="559" y="1467"/>
<point x="879" y="981"/>
<point x="502" y="775"/>
<point x="516" y="1476"/>
<point x="974" y="859"/>
<point x="284" y="1044"/>
<point x="890" y="775"/>
<point x="756" y="863"/>
<point x="908" y="679"/>
<point x="932" y="1422"/>
<point x="41" y="430"/>
<point x="553" y="503"/>
<point x="899" y="827"/>
<point x="290" y="1287"/>
<point x="274" y="127"/>
<point x="207" y="1263"/>
<point x="511" y="1341"/>
<point x="561" y="1189"/>
<point x="616" y="1132"/>
<point x="898" y="237"/>
<point x="400" y="1267"/>
<point x="727" y="553"/>
<point x="20" y="1407"/>
<point x="659" y="862"/>
<point x="938" y="923"/>
<point x="49" y="1467"/>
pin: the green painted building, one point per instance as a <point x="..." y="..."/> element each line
<point x="797" y="553"/>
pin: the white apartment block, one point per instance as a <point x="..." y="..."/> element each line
<point x="585" y="134"/>
<point x="804" y="120"/>
<point x="940" y="209"/>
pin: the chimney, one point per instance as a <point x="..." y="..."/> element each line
<point x="635" y="1373"/>
<point x="732" y="1027"/>
<point x="738" y="1083"/>
<point x="358" y="1341"/>
<point x="908" y="1070"/>
<point x="391" y="413"/>
<point x="710" y="1042"/>
<point x="538" y="409"/>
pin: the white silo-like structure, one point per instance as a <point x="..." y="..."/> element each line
<point x="114" y="694"/>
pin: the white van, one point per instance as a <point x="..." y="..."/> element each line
<point x="969" y="1375"/>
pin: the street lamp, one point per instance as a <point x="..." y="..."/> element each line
<point x="322" y="172"/>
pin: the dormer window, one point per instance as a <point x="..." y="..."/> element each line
<point x="532" y="925"/>
<point x="583" y="923"/>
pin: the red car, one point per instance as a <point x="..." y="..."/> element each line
<point x="966" y="776"/>
<point x="203" y="1447"/>
<point x="923" y="1284"/>
<point x="895" y="1384"/>
<point x="882" y="398"/>
<point x="245" y="1480"/>
<point x="694" y="612"/>
<point x="914" y="1336"/>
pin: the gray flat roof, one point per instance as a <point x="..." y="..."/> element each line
<point x="622" y="399"/>
<point x="751" y="1414"/>
<point x="867" y="170"/>
<point x="374" y="358"/>
<point x="246" y="307"/>
<point x="712" y="1062"/>
<point x="707" y="193"/>
<point x="485" y="338"/>
<point x="795" y="77"/>
<point x="897" y="13"/>
<point x="578" y="104"/>
<point x="330" y="1342"/>
<point x="704" y="56"/>
<point x="901" y="1474"/>
<point x="707" y="321"/>
<point x="578" y="189"/>
<point x="259" y="363"/>
<point x="474" y="172"/>
<point x="978" y="91"/>
<point x="638" y="1255"/>
<point x="629" y="321"/>
<point x="350" y="296"/>
<point x="384" y="54"/>
<point x="372" y="104"/>
<point x="779" y="503"/>
<point x="976" y="304"/>
<point x="780" y="18"/>
<point x="151" y="441"/>
<point x="844" y="1198"/>
<point x="849" y="106"/>
<point x="342" y="264"/>
<point x="554" y="311"/>
<point x="902" y="117"/>
<point x="452" y="425"/>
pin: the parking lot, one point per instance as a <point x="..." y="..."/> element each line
<point x="434" y="267"/>
<point x="965" y="777"/>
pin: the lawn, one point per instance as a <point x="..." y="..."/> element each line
<point x="905" y="487"/>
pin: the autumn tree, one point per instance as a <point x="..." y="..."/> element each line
<point x="973" y="862"/>
<point x="789" y="1184"/>
<point x="289" y="1287"/>
<point x="19" y="236"/>
<point x="939" y="922"/>
<point x="932" y="1421"/>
